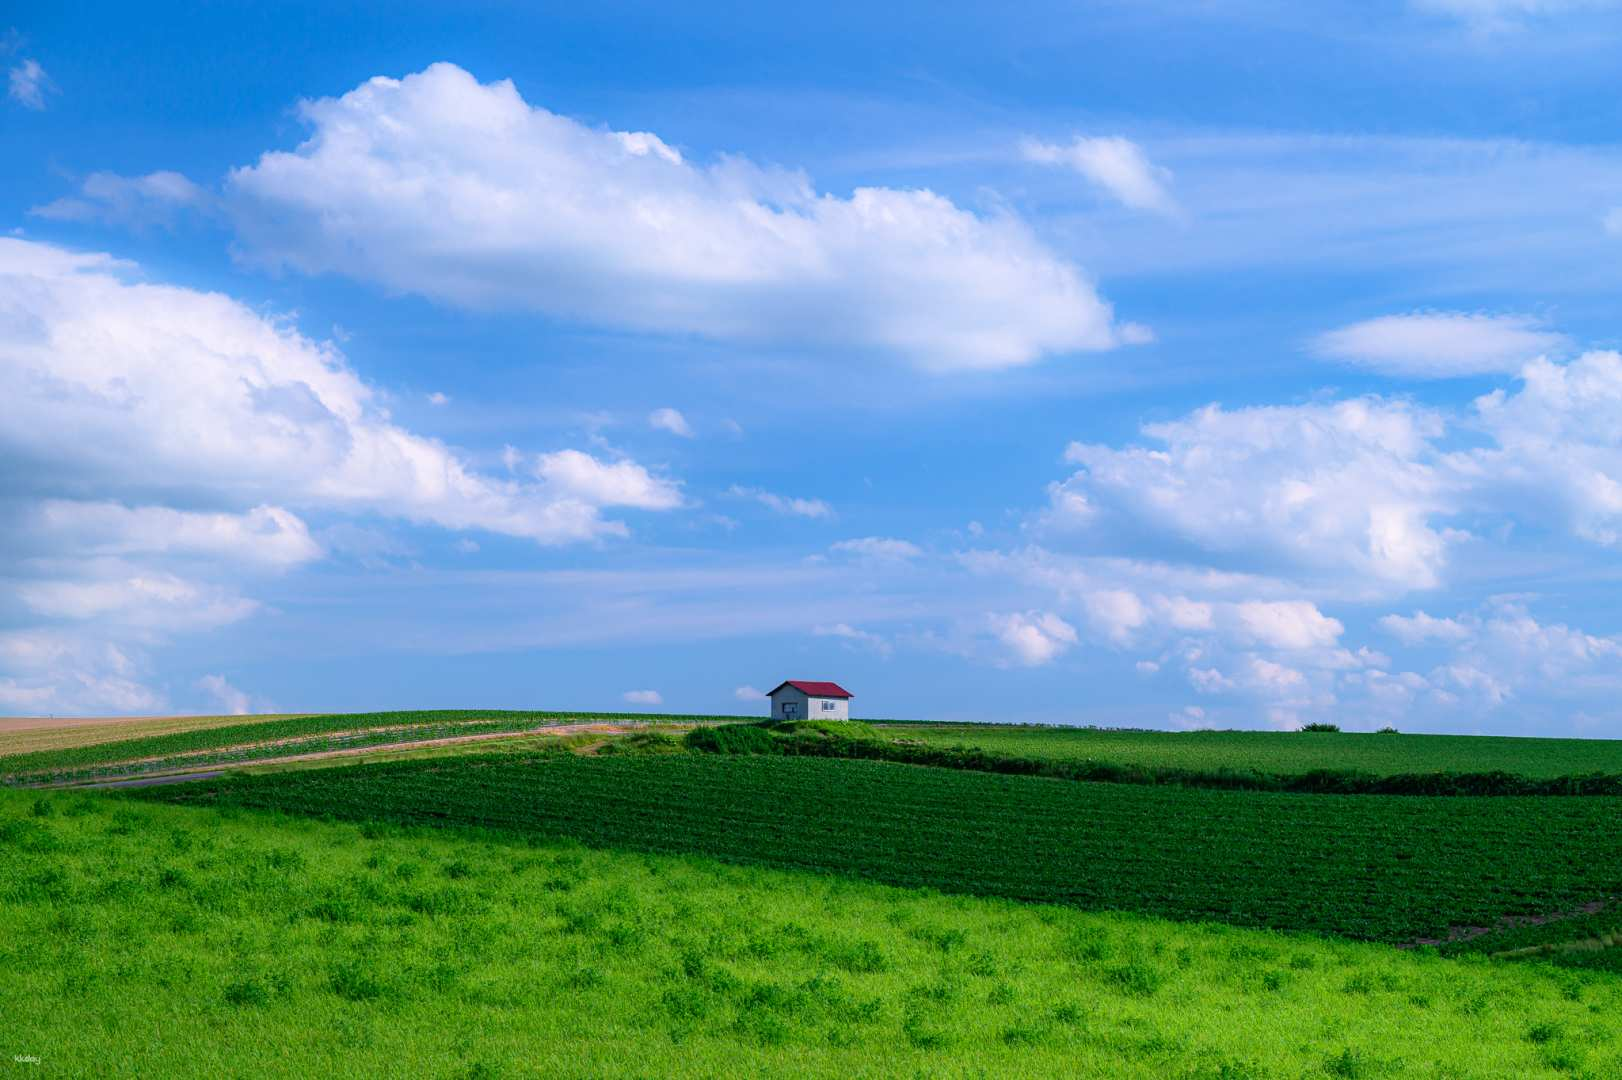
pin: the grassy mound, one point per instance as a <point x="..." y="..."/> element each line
<point x="732" y="739"/>
<point x="839" y="729"/>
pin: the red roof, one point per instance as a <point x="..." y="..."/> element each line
<point x="813" y="689"/>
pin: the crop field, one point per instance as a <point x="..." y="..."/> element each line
<point x="158" y="940"/>
<point x="203" y="745"/>
<point x="1390" y="868"/>
<point x="1282" y="752"/>
<point x="23" y="736"/>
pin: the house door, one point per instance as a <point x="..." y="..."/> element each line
<point x="791" y="710"/>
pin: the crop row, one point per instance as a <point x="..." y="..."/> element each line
<point x="1385" y="868"/>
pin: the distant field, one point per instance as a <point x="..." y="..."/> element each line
<point x="1282" y="752"/>
<point x="144" y="939"/>
<point x="22" y="736"/>
<point x="1391" y="868"/>
<point x="268" y="737"/>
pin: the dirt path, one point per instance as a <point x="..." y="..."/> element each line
<point x="1510" y="922"/>
<point x="152" y="781"/>
<point x="213" y="769"/>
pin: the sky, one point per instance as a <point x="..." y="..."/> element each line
<point x="1231" y="365"/>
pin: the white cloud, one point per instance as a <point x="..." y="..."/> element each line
<point x="1612" y="221"/>
<point x="29" y="84"/>
<point x="878" y="549"/>
<point x="1033" y="638"/>
<point x="439" y="398"/>
<point x="748" y="693"/>
<point x="1343" y="488"/>
<point x="440" y="185"/>
<point x="862" y="638"/>
<point x="1288" y="624"/>
<point x="264" y="535"/>
<point x="1503" y="653"/>
<point x="1116" y="612"/>
<point x="136" y="386"/>
<point x="1116" y="164"/>
<point x="782" y="504"/>
<point x="670" y="420"/>
<point x="1440" y="345"/>
<point x="232" y="700"/>
<point x="1418" y="628"/>
<point x="156" y="199"/>
<point x="1559" y="441"/>
<point x="49" y="671"/>
<point x="644" y="697"/>
<point x="156" y="600"/>
<point x="576" y="474"/>
<point x="185" y="437"/>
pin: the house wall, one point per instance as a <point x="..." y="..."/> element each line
<point x="789" y="695"/>
<point x="828" y="708"/>
<point x="808" y="708"/>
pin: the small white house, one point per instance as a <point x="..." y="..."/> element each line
<point x="798" y="699"/>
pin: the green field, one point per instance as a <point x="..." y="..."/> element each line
<point x="1391" y="868"/>
<point x="1282" y="752"/>
<point x="155" y="940"/>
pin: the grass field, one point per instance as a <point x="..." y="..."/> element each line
<point x="1392" y="868"/>
<point x="158" y="940"/>
<point x="1282" y="752"/>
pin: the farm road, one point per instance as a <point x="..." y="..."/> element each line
<point x="207" y="772"/>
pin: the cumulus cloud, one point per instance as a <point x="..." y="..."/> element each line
<point x="156" y="199"/>
<point x="748" y="693"/>
<point x="1117" y="165"/>
<point x="878" y="549"/>
<point x="1559" y="441"/>
<point x="1032" y="638"/>
<point x="670" y="420"/>
<point x="1287" y="624"/>
<point x="1343" y="488"/>
<point x="50" y="671"/>
<point x="1419" y="628"/>
<point x="576" y="474"/>
<point x="1502" y="652"/>
<point x="183" y="437"/>
<point x="229" y="698"/>
<point x="644" y="697"/>
<point x="1117" y="612"/>
<point x="28" y="84"/>
<point x="783" y="504"/>
<point x="440" y="185"/>
<point x="1440" y="345"/>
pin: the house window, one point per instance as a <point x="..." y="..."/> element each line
<point x="827" y="706"/>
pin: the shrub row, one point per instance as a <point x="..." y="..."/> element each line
<point x="754" y="739"/>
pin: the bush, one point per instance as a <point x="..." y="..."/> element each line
<point x="839" y="729"/>
<point x="1388" y="731"/>
<point x="732" y="739"/>
<point x="1320" y="727"/>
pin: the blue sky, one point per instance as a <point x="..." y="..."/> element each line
<point x="1134" y="364"/>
